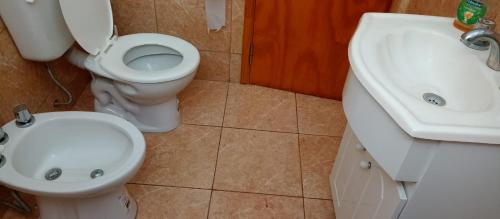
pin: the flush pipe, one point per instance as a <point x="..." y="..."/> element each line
<point x="56" y="102"/>
<point x="77" y="57"/>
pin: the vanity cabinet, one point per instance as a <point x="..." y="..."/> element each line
<point x="360" y="187"/>
<point x="382" y="172"/>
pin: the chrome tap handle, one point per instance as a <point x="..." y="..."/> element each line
<point x="488" y="24"/>
<point x="23" y="116"/>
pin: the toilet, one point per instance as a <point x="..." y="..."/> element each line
<point x="75" y="163"/>
<point x="136" y="77"/>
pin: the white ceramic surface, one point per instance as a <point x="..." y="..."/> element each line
<point x="399" y="57"/>
<point x="77" y="143"/>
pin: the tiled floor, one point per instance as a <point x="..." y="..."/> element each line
<point x="242" y="151"/>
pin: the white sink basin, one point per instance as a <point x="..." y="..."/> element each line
<point x="398" y="58"/>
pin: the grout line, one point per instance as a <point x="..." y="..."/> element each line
<point x="261" y="130"/>
<point x="218" y="149"/>
<point x="225" y="190"/>
<point x="256" y="193"/>
<point x="300" y="158"/>
<point x="156" y="17"/>
<point x="200" y="79"/>
<point x="169" y="186"/>
<point x="322" y="199"/>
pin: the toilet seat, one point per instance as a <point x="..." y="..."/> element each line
<point x="95" y="35"/>
<point x="112" y="61"/>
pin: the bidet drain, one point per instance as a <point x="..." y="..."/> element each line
<point x="53" y="174"/>
<point x="96" y="173"/>
<point x="434" y="99"/>
<point x="2" y="160"/>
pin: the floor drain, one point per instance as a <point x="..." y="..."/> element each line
<point x="96" y="173"/>
<point x="434" y="99"/>
<point x="53" y="174"/>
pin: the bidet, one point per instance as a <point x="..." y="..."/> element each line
<point x="50" y="160"/>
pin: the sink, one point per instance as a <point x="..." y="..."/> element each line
<point x="431" y="85"/>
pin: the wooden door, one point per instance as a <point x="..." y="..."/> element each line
<point x="301" y="45"/>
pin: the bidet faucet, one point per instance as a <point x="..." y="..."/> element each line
<point x="23" y="116"/>
<point x="476" y="35"/>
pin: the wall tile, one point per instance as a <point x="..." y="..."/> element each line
<point x="237" y="16"/>
<point x="442" y="8"/>
<point x="22" y="81"/>
<point x="235" y="68"/>
<point x="186" y="19"/>
<point x="214" y="66"/>
<point x="28" y="82"/>
<point x="132" y="16"/>
<point x="73" y="78"/>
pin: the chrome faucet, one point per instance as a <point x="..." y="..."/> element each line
<point x="23" y="116"/>
<point x="472" y="37"/>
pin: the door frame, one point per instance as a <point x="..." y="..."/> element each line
<point x="248" y="26"/>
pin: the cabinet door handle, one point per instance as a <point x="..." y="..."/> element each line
<point x="365" y="164"/>
<point x="360" y="147"/>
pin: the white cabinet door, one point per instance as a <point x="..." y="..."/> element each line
<point x="361" y="189"/>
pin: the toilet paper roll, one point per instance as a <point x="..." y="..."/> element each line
<point x="216" y="14"/>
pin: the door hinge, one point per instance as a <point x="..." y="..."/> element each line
<point x="250" y="56"/>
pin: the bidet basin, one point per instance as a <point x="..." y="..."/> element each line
<point x="419" y="72"/>
<point x="75" y="143"/>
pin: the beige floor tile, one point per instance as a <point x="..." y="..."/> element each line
<point x="214" y="66"/>
<point x="320" y="116"/>
<point x="244" y="205"/>
<point x="184" y="157"/>
<point x="203" y="102"/>
<point x="317" y="156"/>
<point x="258" y="161"/>
<point x="166" y="202"/>
<point x="319" y="209"/>
<point x="255" y="107"/>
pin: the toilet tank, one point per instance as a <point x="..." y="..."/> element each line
<point x="37" y="28"/>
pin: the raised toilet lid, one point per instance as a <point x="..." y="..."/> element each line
<point x="90" y="22"/>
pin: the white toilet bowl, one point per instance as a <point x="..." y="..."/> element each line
<point x="80" y="144"/>
<point x="137" y="76"/>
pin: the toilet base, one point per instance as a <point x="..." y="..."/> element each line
<point x="114" y="204"/>
<point x="148" y="118"/>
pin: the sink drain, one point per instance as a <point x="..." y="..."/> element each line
<point x="96" y="173"/>
<point x="434" y="99"/>
<point x="53" y="174"/>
